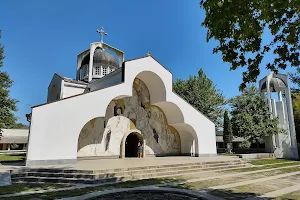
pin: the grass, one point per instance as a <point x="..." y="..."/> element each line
<point x="290" y="196"/>
<point x="228" y="154"/>
<point x="271" y="161"/>
<point x="12" y="157"/>
<point x="248" y="169"/>
<point x="28" y="187"/>
<point x="82" y="191"/>
<point x="228" y="180"/>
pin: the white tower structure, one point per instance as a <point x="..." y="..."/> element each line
<point x="96" y="62"/>
<point x="283" y="145"/>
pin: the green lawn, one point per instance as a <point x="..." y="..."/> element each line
<point x="12" y="157"/>
<point x="228" y="154"/>
<point x="275" y="165"/>
<point x="271" y="161"/>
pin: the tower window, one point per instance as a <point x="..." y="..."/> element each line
<point x="97" y="70"/>
<point x="105" y="71"/>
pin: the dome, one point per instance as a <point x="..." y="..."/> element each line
<point x="276" y="85"/>
<point x="101" y="57"/>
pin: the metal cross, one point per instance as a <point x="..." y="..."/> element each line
<point x="101" y="32"/>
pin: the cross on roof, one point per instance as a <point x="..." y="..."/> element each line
<point x="102" y="33"/>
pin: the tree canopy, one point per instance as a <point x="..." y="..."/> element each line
<point x="251" y="117"/>
<point x="200" y="92"/>
<point x="239" y="25"/>
<point x="296" y="112"/>
<point x="7" y="105"/>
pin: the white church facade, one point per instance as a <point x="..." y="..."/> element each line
<point x="111" y="106"/>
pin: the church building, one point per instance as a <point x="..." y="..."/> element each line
<point x="110" y="107"/>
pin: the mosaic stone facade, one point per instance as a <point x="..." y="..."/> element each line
<point x="103" y="136"/>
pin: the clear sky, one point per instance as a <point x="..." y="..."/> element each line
<point x="44" y="37"/>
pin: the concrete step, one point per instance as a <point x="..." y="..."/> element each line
<point x="96" y="178"/>
<point x="97" y="175"/>
<point x="61" y="170"/>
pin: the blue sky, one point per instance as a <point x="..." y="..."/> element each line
<point x="44" y="37"/>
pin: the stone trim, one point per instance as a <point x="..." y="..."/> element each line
<point x="50" y="162"/>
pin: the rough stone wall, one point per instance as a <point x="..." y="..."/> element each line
<point x="135" y="112"/>
<point x="95" y="140"/>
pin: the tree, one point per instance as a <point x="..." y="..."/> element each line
<point x="296" y="112"/>
<point x="7" y="105"/>
<point x="239" y="25"/>
<point x="201" y="93"/>
<point x="251" y="118"/>
<point x="227" y="130"/>
<point x="20" y="126"/>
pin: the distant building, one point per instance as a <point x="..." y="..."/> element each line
<point x="14" y="139"/>
<point x="220" y="142"/>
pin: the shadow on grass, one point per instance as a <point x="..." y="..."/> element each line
<point x="232" y="195"/>
<point x="81" y="191"/>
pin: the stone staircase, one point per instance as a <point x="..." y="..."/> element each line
<point x="73" y="176"/>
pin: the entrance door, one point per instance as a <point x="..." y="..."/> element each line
<point x="131" y="145"/>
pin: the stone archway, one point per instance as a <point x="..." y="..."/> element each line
<point x="129" y="143"/>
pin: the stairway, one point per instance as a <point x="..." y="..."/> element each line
<point x="73" y="176"/>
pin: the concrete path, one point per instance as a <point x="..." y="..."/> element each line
<point x="255" y="181"/>
<point x="199" y="194"/>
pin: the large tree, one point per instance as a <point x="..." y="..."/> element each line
<point x="251" y="118"/>
<point x="296" y="112"/>
<point x="200" y="92"/>
<point x="7" y="104"/>
<point x="239" y="26"/>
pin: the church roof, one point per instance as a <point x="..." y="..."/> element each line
<point x="74" y="81"/>
<point x="102" y="57"/>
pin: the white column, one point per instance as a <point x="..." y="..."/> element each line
<point x="291" y="119"/>
<point x="280" y="95"/>
<point x="90" y="68"/>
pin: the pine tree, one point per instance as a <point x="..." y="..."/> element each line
<point x="7" y="105"/>
<point x="227" y="129"/>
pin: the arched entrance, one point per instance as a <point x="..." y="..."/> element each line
<point x="129" y="144"/>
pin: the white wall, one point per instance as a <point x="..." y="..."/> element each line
<point x="58" y="124"/>
<point x="71" y="90"/>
